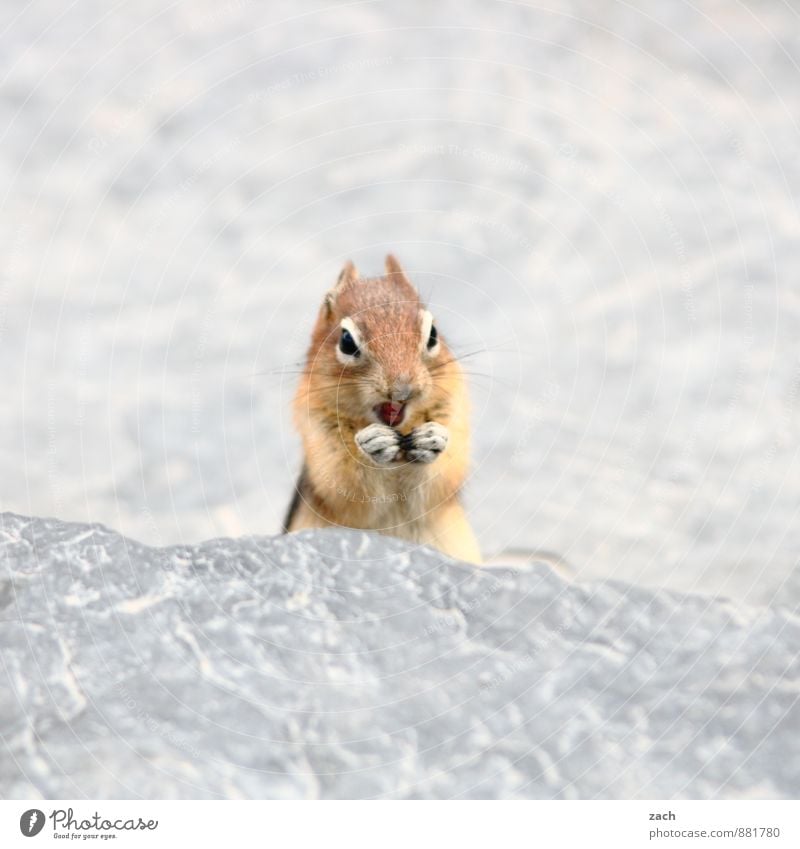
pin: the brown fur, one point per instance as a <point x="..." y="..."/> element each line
<point x="342" y="486"/>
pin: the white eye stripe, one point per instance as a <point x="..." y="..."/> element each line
<point x="348" y="359"/>
<point x="350" y="326"/>
<point x="426" y="323"/>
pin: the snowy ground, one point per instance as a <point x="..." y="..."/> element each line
<point x="603" y="196"/>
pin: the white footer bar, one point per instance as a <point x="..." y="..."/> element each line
<point x="402" y="825"/>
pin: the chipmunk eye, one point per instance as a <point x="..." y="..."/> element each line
<point x="347" y="345"/>
<point x="433" y="339"/>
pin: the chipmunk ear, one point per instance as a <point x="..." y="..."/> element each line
<point x="395" y="270"/>
<point x="348" y="274"/>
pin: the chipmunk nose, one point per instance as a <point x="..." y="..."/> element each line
<point x="402" y="389"/>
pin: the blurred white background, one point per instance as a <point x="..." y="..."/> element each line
<point x="603" y="196"/>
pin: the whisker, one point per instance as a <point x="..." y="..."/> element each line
<point x="493" y="378"/>
<point x="276" y="373"/>
<point x="330" y="387"/>
<point x="455" y="360"/>
<point x="284" y="368"/>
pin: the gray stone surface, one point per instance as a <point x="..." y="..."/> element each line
<point x="338" y="664"/>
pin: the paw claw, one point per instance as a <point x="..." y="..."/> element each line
<point x="379" y="442"/>
<point x="426" y="442"/>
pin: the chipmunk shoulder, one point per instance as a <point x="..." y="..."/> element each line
<point x="383" y="413"/>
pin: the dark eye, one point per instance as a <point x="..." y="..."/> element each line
<point x="433" y="338"/>
<point x="347" y="345"/>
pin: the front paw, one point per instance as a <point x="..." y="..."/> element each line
<point x="379" y="442"/>
<point x="426" y="442"/>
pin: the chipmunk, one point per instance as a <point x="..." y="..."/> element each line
<point x="382" y="410"/>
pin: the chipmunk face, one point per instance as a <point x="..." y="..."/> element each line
<point x="377" y="355"/>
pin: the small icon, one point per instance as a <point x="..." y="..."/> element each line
<point x="31" y="822"/>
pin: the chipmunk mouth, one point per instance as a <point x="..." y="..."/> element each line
<point x="391" y="412"/>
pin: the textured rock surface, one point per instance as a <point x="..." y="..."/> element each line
<point x="342" y="665"/>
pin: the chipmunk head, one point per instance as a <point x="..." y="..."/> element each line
<point x="376" y="353"/>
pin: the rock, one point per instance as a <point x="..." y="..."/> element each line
<point x="342" y="664"/>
